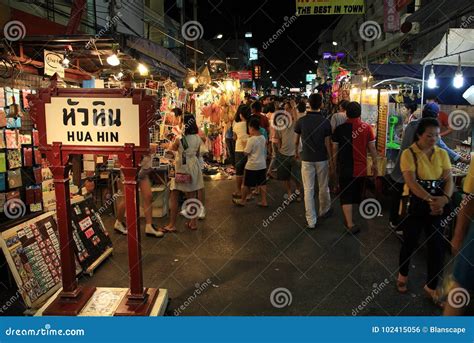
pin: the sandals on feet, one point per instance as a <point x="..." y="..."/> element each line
<point x="434" y="296"/>
<point x="188" y="225"/>
<point x="402" y="287"/>
<point x="166" y="229"/>
<point x="238" y="203"/>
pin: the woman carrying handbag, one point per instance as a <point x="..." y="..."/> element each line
<point x="428" y="190"/>
<point x="188" y="175"/>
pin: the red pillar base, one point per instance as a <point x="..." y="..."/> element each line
<point x="64" y="305"/>
<point x="141" y="306"/>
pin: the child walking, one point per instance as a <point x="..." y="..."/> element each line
<point x="256" y="166"/>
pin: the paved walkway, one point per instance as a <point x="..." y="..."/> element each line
<point x="237" y="265"/>
<point x="234" y="262"/>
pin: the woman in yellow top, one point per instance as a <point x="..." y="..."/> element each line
<point x="427" y="174"/>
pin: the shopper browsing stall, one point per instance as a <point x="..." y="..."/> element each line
<point x="188" y="175"/>
<point x="241" y="136"/>
<point x="430" y="110"/>
<point x="429" y="184"/>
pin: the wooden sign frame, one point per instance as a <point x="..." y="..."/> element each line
<point x="72" y="299"/>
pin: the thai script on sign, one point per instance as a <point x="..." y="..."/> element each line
<point x="100" y="115"/>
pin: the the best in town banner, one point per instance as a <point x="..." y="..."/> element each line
<point x="327" y="7"/>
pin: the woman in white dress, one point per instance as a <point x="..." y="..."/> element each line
<point x="188" y="178"/>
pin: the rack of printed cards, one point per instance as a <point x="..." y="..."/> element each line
<point x="20" y="159"/>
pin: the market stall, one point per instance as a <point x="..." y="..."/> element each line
<point x="449" y="71"/>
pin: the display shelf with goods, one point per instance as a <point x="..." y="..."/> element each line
<point x="33" y="254"/>
<point x="460" y="169"/>
<point x="20" y="159"/>
<point x="33" y="244"/>
<point x="216" y="106"/>
<point x="90" y="236"/>
<point x="383" y="106"/>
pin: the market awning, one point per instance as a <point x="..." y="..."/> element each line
<point x="438" y="9"/>
<point x="397" y="81"/>
<point x="454" y="43"/>
<point x="158" y="56"/>
<point x="389" y="71"/>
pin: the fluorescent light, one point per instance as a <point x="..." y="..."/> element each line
<point x="248" y="35"/>
<point x="458" y="80"/>
<point x="432" y="83"/>
<point x="219" y="36"/>
<point x="142" y="69"/>
<point x="113" y="60"/>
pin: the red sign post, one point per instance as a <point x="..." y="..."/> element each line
<point x="95" y="121"/>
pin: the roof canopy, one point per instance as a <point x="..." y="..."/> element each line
<point x="454" y="43"/>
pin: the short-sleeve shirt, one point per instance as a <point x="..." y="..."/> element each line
<point x="353" y="138"/>
<point x="240" y="130"/>
<point x="287" y="137"/>
<point x="257" y="153"/>
<point x="469" y="181"/>
<point x="427" y="169"/>
<point x="314" y="129"/>
<point x="338" y="119"/>
<point x="443" y="119"/>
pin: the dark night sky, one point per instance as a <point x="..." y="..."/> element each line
<point x="293" y="53"/>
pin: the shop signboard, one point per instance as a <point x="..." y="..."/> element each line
<point x="327" y="7"/>
<point x="241" y="75"/>
<point x="53" y="63"/>
<point x="391" y="17"/>
<point x="253" y="54"/>
<point x="92" y="121"/>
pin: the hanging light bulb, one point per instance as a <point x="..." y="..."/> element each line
<point x="65" y="62"/>
<point x="458" y="80"/>
<point x="432" y="83"/>
<point x="142" y="69"/>
<point x="113" y="60"/>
